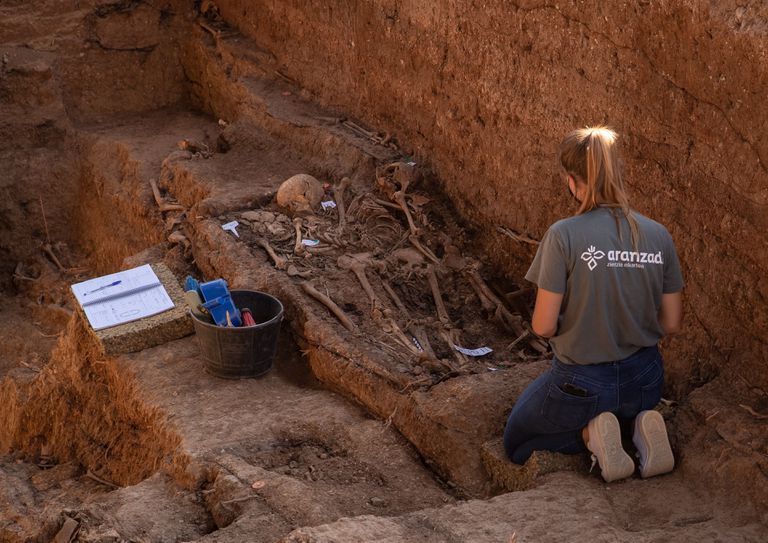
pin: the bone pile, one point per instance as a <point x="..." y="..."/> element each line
<point x="382" y="238"/>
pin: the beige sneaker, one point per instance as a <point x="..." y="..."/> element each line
<point x="605" y="444"/>
<point x="652" y="442"/>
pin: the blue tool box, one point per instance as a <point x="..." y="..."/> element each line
<point x="218" y="301"/>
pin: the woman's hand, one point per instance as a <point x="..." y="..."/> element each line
<point x="545" y="313"/>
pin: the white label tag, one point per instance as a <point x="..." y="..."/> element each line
<point x="310" y="242"/>
<point x="480" y="351"/>
<point x="330" y="204"/>
<point x="232" y="227"/>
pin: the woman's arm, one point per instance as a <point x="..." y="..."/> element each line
<point x="671" y="312"/>
<point x="545" y="312"/>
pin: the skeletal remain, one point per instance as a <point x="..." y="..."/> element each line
<point x="520" y="338"/>
<point x="380" y="228"/>
<point x="385" y="203"/>
<point x="160" y="201"/>
<point x="300" y="194"/>
<point x="339" y="194"/>
<point x="410" y="257"/>
<point x="451" y="337"/>
<point x="399" y="197"/>
<point x="488" y="305"/>
<point x="318" y="250"/>
<point x="293" y="271"/>
<point x="48" y="250"/>
<point x="398" y="332"/>
<point x="416" y="331"/>
<point x="298" y="247"/>
<point x="423" y="250"/>
<point x="452" y="257"/>
<point x="522" y="238"/>
<point x="178" y="238"/>
<point x="489" y="299"/>
<point x="357" y="265"/>
<point x="278" y="260"/>
<point x="18" y="273"/>
<point x="360" y="130"/>
<point x="442" y="313"/>
<point x="330" y="304"/>
<point x="401" y="174"/>
<point x="448" y="333"/>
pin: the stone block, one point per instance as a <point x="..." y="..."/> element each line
<point x="150" y="331"/>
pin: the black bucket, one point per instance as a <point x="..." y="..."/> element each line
<point x="246" y="351"/>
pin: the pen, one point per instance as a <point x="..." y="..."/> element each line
<point x="113" y="284"/>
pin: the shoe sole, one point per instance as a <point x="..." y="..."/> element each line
<point x="652" y="442"/>
<point x="605" y="443"/>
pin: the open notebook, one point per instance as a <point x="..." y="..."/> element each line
<point x="122" y="297"/>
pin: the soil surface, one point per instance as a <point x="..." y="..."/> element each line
<point x="134" y="130"/>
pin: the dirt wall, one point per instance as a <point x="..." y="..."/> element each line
<point x="486" y="91"/>
<point x="64" y="65"/>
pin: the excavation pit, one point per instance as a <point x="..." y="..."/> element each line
<point x="134" y="131"/>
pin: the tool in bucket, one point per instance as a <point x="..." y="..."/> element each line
<point x="216" y="301"/>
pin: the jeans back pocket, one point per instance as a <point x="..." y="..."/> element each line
<point x="566" y="411"/>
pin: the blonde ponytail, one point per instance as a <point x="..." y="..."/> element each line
<point x="589" y="155"/>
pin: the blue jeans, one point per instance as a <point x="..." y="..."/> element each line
<point x="550" y="414"/>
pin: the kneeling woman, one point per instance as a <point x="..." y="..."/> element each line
<point x="609" y="287"/>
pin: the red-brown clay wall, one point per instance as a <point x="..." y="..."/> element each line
<point x="485" y="91"/>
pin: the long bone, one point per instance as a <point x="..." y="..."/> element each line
<point x="506" y="317"/>
<point x="357" y="265"/>
<point x="330" y="304"/>
<point x="403" y="176"/>
<point x="423" y="250"/>
<point x="415" y="330"/>
<point x="298" y="247"/>
<point x="399" y="197"/>
<point x="160" y="201"/>
<point x="489" y="299"/>
<point x="280" y="262"/>
<point x="449" y="333"/>
<point x="442" y="313"/>
<point x="399" y="335"/>
<point x="339" y="194"/>
<point x="488" y="305"/>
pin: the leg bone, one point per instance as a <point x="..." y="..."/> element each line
<point x="278" y="260"/>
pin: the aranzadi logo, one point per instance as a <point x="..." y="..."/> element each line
<point x="591" y="256"/>
<point x="620" y="259"/>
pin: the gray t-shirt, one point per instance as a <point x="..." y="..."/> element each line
<point x="611" y="293"/>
